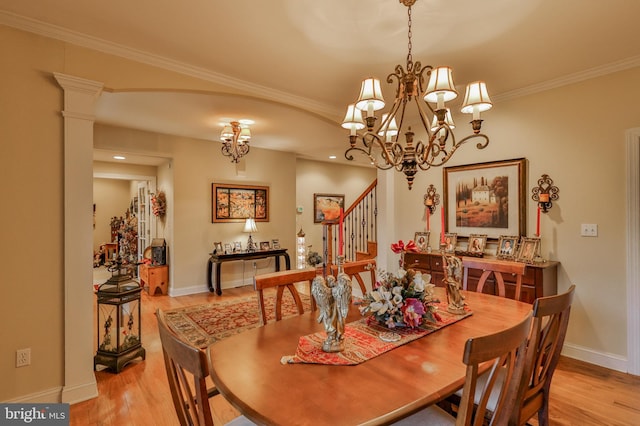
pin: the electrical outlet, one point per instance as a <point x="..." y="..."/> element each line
<point x="23" y="357"/>
<point x="589" y="230"/>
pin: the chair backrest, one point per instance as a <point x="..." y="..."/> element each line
<point x="497" y="268"/>
<point x="548" y="330"/>
<point x="504" y="352"/>
<point x="187" y="368"/>
<point x="356" y="269"/>
<point x="281" y="280"/>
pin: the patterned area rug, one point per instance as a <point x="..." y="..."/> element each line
<point x="202" y="325"/>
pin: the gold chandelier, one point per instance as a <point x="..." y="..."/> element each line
<point x="381" y="145"/>
<point x="235" y="139"/>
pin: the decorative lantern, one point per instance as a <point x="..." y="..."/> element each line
<point x="118" y="320"/>
<point x="301" y="250"/>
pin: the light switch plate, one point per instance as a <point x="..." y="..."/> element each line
<point x="589" y="230"/>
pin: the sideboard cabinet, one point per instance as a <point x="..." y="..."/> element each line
<point x="539" y="279"/>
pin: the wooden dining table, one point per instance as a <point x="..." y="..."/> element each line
<point x="247" y="370"/>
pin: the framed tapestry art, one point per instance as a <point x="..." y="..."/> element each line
<point x="486" y="198"/>
<point x="235" y="203"/>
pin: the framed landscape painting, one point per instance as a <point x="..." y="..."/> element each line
<point x="486" y="198"/>
<point x="235" y="203"/>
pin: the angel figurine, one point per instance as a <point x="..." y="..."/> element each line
<point x="333" y="297"/>
<point x="452" y="281"/>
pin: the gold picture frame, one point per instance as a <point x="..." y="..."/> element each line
<point x="450" y="242"/>
<point x="528" y="249"/>
<point x="477" y="243"/>
<point x="421" y="240"/>
<point x="507" y="248"/>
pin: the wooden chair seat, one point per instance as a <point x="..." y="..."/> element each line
<point x="496" y="268"/>
<point x="282" y="280"/>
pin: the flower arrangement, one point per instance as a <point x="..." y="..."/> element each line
<point x="404" y="299"/>
<point x="313" y="258"/>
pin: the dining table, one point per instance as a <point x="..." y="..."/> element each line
<point x="248" y="371"/>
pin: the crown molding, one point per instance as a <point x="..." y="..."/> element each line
<point x="326" y="110"/>
<point x="577" y="77"/>
<point x="83" y="40"/>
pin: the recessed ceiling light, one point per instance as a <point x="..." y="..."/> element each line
<point x="119" y="157"/>
<point x="333" y="157"/>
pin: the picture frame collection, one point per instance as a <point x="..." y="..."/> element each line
<point x="237" y="247"/>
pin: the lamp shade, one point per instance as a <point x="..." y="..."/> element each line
<point x="227" y="132"/>
<point x="476" y="98"/>
<point x="245" y="134"/>
<point x="353" y="118"/>
<point x="390" y="129"/>
<point x="250" y="225"/>
<point x="370" y="98"/>
<point x="440" y="86"/>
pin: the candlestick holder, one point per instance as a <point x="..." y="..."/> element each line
<point x="545" y="193"/>
<point x="431" y="199"/>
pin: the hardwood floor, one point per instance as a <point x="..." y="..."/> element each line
<point x="581" y="393"/>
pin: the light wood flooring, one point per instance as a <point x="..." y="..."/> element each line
<point x="581" y="393"/>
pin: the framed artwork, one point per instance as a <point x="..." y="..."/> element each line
<point x="275" y="244"/>
<point x="217" y="247"/>
<point x="450" y="240"/>
<point x="237" y="246"/>
<point x="235" y="203"/>
<point x="227" y="248"/>
<point x="477" y="243"/>
<point x="264" y="245"/>
<point x="486" y="198"/>
<point x="422" y="241"/>
<point x="528" y="249"/>
<point x="326" y="207"/>
<point x="507" y="247"/>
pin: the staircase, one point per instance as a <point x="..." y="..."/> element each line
<point x="359" y="227"/>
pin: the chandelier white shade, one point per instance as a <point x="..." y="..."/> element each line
<point x="380" y="143"/>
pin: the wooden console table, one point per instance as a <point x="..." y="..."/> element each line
<point x="539" y="279"/>
<point x="219" y="259"/>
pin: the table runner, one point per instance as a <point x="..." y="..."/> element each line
<point x="362" y="340"/>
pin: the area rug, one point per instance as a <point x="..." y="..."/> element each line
<point x="202" y="325"/>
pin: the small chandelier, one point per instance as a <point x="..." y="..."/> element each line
<point x="381" y="145"/>
<point x="235" y="139"/>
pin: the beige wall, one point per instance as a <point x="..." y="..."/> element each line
<point x="562" y="133"/>
<point x="559" y="131"/>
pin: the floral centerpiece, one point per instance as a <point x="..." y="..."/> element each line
<point x="403" y="299"/>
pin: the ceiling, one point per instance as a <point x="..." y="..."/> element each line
<point x="292" y="66"/>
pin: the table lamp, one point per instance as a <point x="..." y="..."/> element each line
<point x="250" y="226"/>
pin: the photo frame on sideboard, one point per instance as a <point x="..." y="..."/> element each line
<point x="477" y="243"/>
<point x="450" y="242"/>
<point x="421" y="239"/>
<point x="527" y="250"/>
<point x="507" y="247"/>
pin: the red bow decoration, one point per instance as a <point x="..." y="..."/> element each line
<point x="399" y="247"/>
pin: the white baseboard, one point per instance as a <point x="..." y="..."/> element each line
<point x="52" y="395"/>
<point x="184" y="291"/>
<point x="79" y="393"/>
<point x="607" y="360"/>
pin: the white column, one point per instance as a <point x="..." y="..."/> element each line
<point x="633" y="251"/>
<point x="80" y="97"/>
<point x="386" y="259"/>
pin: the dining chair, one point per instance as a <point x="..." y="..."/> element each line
<point x="282" y="280"/>
<point x="548" y="330"/>
<point x="355" y="270"/>
<point x="495" y="268"/>
<point x="503" y="355"/>
<point x="187" y="369"/>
